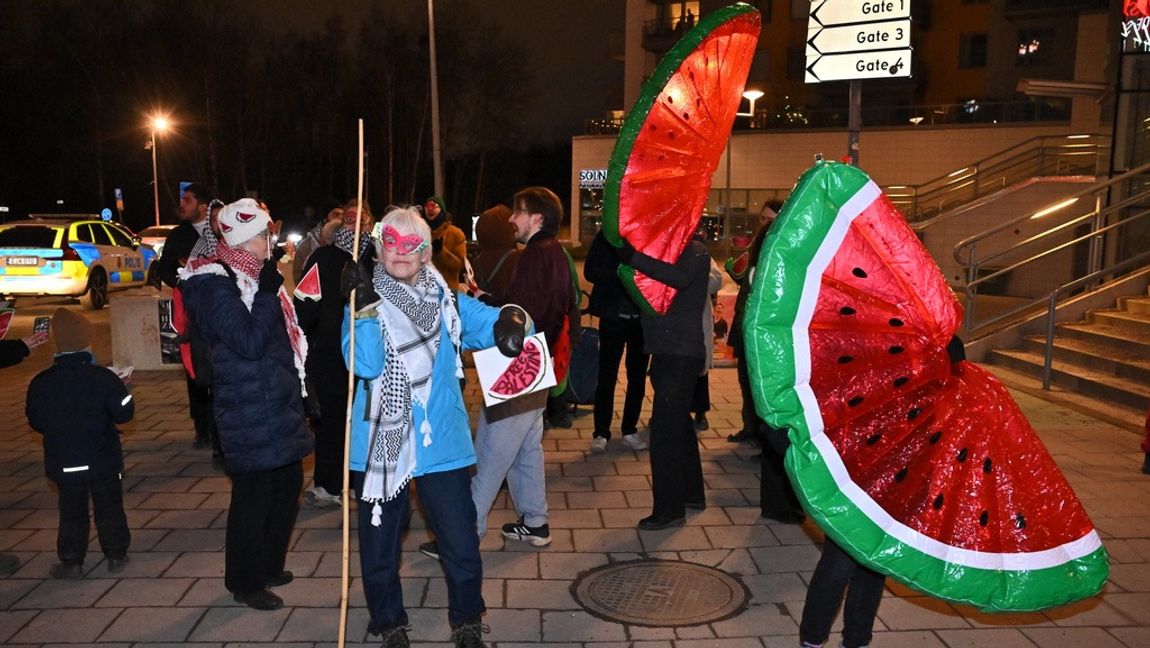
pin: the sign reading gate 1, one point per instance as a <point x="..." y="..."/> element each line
<point x="858" y="39"/>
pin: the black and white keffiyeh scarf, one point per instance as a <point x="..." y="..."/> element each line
<point x="344" y="238"/>
<point x="411" y="317"/>
<point x="205" y="245"/>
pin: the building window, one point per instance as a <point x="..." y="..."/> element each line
<point x="1034" y="46"/>
<point x="972" y="51"/>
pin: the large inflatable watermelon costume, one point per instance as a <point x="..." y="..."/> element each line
<point x="660" y="172"/>
<point x="919" y="465"/>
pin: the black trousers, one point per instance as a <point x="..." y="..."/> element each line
<point x="260" y="519"/>
<point x="200" y="408"/>
<point x="329" y="380"/>
<point x="676" y="470"/>
<point x="107" y="496"/>
<point x="751" y="421"/>
<point x="776" y="494"/>
<point x="615" y="336"/>
<point x="701" y="398"/>
<point x="836" y="572"/>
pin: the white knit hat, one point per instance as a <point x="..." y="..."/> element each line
<point x="242" y="220"/>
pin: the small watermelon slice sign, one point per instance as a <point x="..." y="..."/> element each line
<point x="659" y="174"/>
<point x="524" y="372"/>
<point x="308" y="288"/>
<point x="919" y="466"/>
<point x="6" y="315"/>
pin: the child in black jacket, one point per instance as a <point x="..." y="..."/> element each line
<point x="76" y="405"/>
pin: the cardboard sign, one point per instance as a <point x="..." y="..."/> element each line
<point x="502" y="378"/>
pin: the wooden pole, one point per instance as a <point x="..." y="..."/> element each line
<point x="345" y="563"/>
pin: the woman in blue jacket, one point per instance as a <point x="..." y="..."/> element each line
<point x="409" y="421"/>
<point x="237" y="300"/>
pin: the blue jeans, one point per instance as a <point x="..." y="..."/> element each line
<point x="835" y="570"/>
<point x="446" y="499"/>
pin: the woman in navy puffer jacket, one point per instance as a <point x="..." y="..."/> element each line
<point x="237" y="300"/>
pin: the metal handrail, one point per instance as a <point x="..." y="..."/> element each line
<point x="1092" y="189"/>
<point x="1052" y="303"/>
<point x="1001" y="169"/>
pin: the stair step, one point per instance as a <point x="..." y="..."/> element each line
<point x="1105" y="336"/>
<point x="1103" y="358"/>
<point x="1129" y="323"/>
<point x="1127" y="393"/>
<point x="1138" y="306"/>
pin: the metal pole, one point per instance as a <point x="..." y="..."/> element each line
<point x="436" y="146"/>
<point x="854" y="121"/>
<point x="155" y="178"/>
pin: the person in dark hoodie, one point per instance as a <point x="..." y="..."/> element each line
<point x="498" y="253"/>
<point x="76" y="405"/>
<point x="322" y="321"/>
<point x="258" y="351"/>
<point x="448" y="244"/>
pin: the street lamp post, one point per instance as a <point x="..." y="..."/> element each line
<point x="159" y="124"/>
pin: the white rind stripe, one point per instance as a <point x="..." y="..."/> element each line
<point x="72" y="469"/>
<point x="1079" y="548"/>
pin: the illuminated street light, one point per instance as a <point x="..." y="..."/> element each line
<point x="751" y="96"/>
<point x="159" y="124"/>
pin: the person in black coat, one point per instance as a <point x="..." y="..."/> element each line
<point x="13" y="352"/>
<point x="322" y="320"/>
<point x="258" y="352"/>
<point x="76" y="405"/>
<point x="619" y="330"/>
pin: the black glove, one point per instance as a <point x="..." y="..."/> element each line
<point x="278" y="252"/>
<point x="436" y="245"/>
<point x="625" y="253"/>
<point x="353" y="277"/>
<point x="270" y="277"/>
<point x="510" y="329"/>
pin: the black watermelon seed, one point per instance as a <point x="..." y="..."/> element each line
<point x="670" y="99"/>
<point x="855" y="401"/>
<point x="846" y="310"/>
<point x="671" y="134"/>
<point x="937" y="502"/>
<point x="845" y="359"/>
<point x="1019" y="521"/>
<point x="983" y="519"/>
<point x="935" y="437"/>
<point x="859" y="272"/>
<point x="873" y="439"/>
<point x="686" y="116"/>
<point x="986" y="465"/>
<point x="900" y="381"/>
<point x="913" y="413"/>
<point x="894" y="321"/>
<point x="900" y="475"/>
<point x="962" y="455"/>
<point x="896" y="349"/>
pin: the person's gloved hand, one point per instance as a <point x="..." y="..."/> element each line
<point x="354" y="277"/>
<point x="625" y="253"/>
<point x="436" y="245"/>
<point x="278" y="252"/>
<point x="510" y="329"/>
<point x="270" y="278"/>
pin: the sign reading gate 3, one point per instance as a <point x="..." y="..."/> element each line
<point x="858" y="39"/>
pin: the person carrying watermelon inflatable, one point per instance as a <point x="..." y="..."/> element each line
<point x="915" y="462"/>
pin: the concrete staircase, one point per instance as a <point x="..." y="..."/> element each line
<point x="1106" y="357"/>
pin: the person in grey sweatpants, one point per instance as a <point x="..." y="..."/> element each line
<point x="509" y="441"/>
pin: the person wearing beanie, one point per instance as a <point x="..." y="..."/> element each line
<point x="322" y="320"/>
<point x="322" y="234"/>
<point x="76" y="404"/>
<point x="495" y="262"/>
<point x="238" y="301"/>
<point x="448" y="244"/>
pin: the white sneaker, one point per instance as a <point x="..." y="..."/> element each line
<point x="318" y="497"/>
<point x="634" y="441"/>
<point x="599" y="444"/>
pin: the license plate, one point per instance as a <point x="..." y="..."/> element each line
<point x="23" y="261"/>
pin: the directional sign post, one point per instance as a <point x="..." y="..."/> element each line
<point x="850" y="40"/>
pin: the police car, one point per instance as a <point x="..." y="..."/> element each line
<point x="74" y="255"/>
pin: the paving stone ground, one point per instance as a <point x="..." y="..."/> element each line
<point x="172" y="593"/>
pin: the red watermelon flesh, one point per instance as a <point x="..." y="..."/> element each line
<point x="525" y="371"/>
<point x="6" y="315"/>
<point x="659" y="175"/>
<point x="308" y="287"/>
<point x="921" y="467"/>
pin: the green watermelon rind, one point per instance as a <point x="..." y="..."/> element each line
<point x="633" y="125"/>
<point x="771" y="317"/>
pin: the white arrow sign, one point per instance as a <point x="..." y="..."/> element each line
<point x="893" y="34"/>
<point x="841" y="12"/>
<point x="859" y="65"/>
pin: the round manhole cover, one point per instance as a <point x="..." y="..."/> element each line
<point x="660" y="593"/>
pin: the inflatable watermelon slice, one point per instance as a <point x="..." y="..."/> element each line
<point x="919" y="465"/>
<point x="660" y="172"/>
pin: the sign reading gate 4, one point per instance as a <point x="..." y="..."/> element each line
<point x="858" y="39"/>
